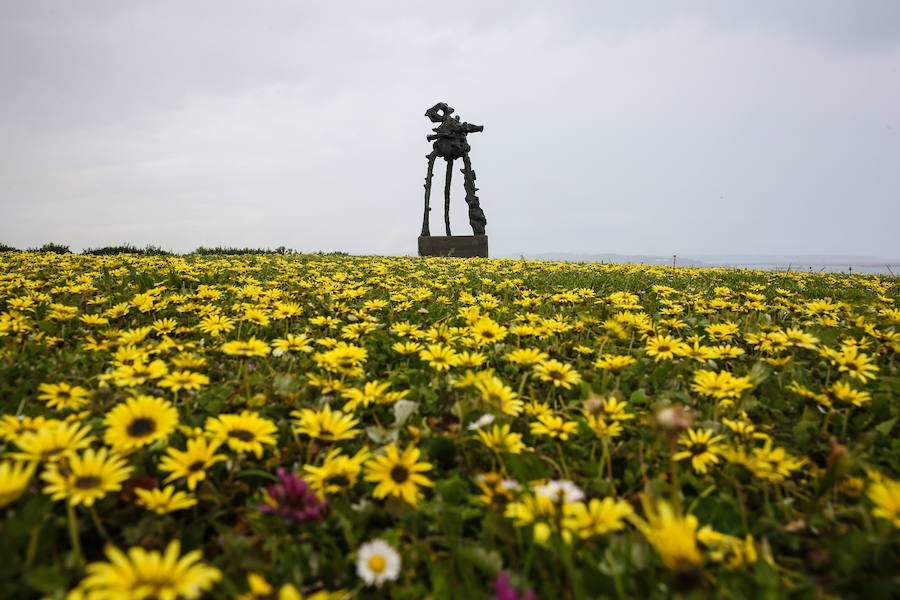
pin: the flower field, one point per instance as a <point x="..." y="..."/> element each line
<point x="326" y="426"/>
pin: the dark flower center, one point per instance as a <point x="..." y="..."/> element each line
<point x="141" y="427"/>
<point x="196" y="466"/>
<point x="699" y="448"/>
<point x="242" y="434"/>
<point x="87" y="482"/>
<point x="45" y="454"/>
<point x="339" y="480"/>
<point x="399" y="474"/>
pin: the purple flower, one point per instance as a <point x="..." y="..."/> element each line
<point x="291" y="498"/>
<point x="505" y="591"/>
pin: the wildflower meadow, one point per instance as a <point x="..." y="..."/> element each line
<point x="325" y="426"/>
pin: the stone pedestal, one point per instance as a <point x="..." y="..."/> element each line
<point x="462" y="246"/>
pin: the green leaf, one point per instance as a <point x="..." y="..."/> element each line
<point x="886" y="427"/>
<point x="47" y="580"/>
<point x="246" y="473"/>
<point x="285" y="384"/>
<point x="453" y="490"/>
<point x="490" y="562"/>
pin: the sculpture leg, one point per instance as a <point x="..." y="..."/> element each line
<point x="476" y="216"/>
<point x="426" y="231"/>
<point x="447" y="195"/>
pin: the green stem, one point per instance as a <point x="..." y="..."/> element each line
<point x="676" y="487"/>
<point x="529" y="555"/>
<point x="309" y="446"/>
<point x="99" y="524"/>
<point x="617" y="581"/>
<point x="741" y="504"/>
<point x="33" y="539"/>
<point x="73" y="533"/>
<point x="522" y="383"/>
<point x="609" y="468"/>
<point x="825" y="422"/>
<point x="562" y="461"/>
<point x="569" y="565"/>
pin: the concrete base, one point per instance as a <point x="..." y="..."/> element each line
<point x="462" y="246"/>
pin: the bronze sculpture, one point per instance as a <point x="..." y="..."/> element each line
<point x="450" y="143"/>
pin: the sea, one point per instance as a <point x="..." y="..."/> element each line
<point x="860" y="265"/>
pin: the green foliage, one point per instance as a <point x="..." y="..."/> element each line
<point x="227" y="251"/>
<point x="788" y="508"/>
<point x="149" y="250"/>
<point x="50" y="247"/>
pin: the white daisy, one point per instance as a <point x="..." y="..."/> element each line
<point x="377" y="562"/>
<point x="561" y="491"/>
<point x="481" y="422"/>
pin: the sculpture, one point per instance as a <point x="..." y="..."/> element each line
<point x="450" y="143"/>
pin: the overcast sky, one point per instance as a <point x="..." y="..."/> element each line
<point x="689" y="128"/>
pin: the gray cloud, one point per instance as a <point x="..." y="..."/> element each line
<point x="659" y="128"/>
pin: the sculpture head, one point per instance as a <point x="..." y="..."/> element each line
<point x="439" y="112"/>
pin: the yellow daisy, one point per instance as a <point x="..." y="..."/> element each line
<point x="373" y="392"/>
<point x="53" y="442"/>
<point x="559" y="374"/>
<point x="139" y="422"/>
<point x="245" y="432"/>
<point x="164" y="501"/>
<point x="526" y="356"/>
<point x="398" y="475"/>
<point x="701" y="448"/>
<point x="665" y="347"/>
<point x="216" y="324"/>
<point x="673" y="536"/>
<point x="183" y="380"/>
<point x="252" y="347"/>
<point x="193" y="462"/>
<point x="14" y="480"/>
<point x="498" y="395"/>
<point x="486" y="331"/>
<point x="149" y="574"/>
<point x="325" y="425"/>
<point x="62" y="395"/>
<point x="338" y="472"/>
<point x="553" y="426"/>
<point x="439" y="357"/>
<point x="500" y="439"/>
<point x="86" y="477"/>
<point x="885" y="495"/>
<point x="138" y="373"/>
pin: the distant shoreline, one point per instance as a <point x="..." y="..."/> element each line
<point x="864" y="265"/>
